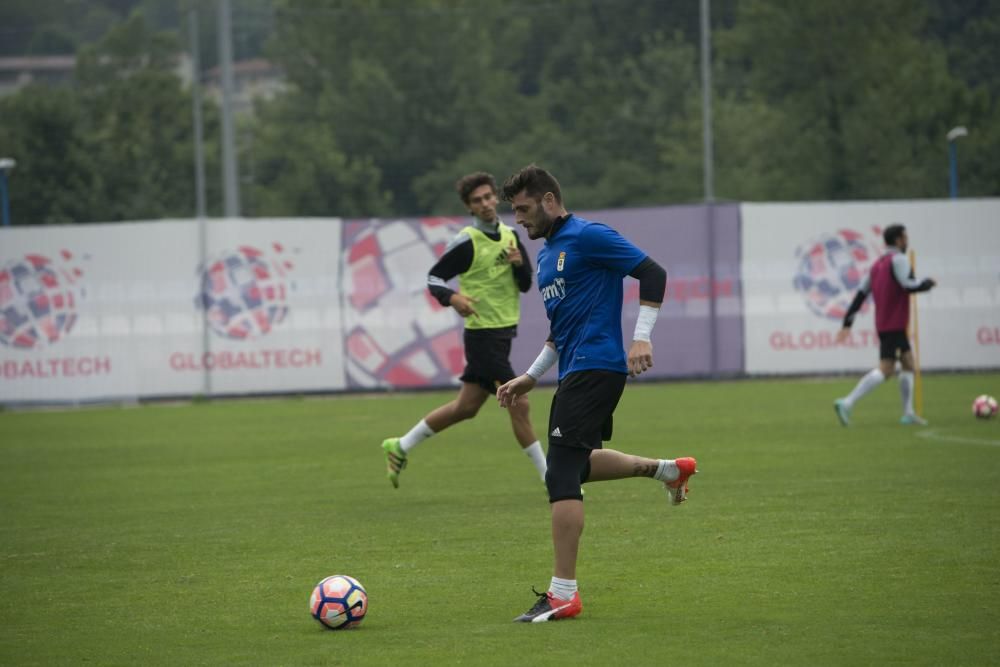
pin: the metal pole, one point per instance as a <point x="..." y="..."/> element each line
<point x="953" y="135"/>
<point x="199" y="185"/>
<point x="199" y="152"/>
<point x="5" y="204"/>
<point x="914" y="327"/>
<point x="708" y="175"/>
<point x="6" y="164"/>
<point x="229" y="181"/>
<point x="706" y="102"/>
<point x="713" y="317"/>
<point x="953" y="169"/>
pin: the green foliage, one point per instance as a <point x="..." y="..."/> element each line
<point x="864" y="103"/>
<point x="46" y="27"/>
<point x="53" y="181"/>
<point x="821" y="100"/>
<point x="301" y="167"/>
<point x="117" y="146"/>
<point x="389" y="101"/>
<point x="138" y="124"/>
<point x="970" y="31"/>
<point x="400" y="86"/>
<point x="192" y="535"/>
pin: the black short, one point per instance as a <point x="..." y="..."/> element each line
<point x="487" y="358"/>
<point x="582" y="408"/>
<point x="892" y="344"/>
<point x="567" y="469"/>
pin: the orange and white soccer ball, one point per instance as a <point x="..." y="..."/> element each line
<point x="984" y="407"/>
<point x="339" y="602"/>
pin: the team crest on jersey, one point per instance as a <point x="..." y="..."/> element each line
<point x="561" y="261"/>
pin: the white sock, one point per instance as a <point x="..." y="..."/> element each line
<point x="872" y="379"/>
<point x="417" y="434"/>
<point x="667" y="471"/>
<point x="537" y="456"/>
<point x="906" y="391"/>
<point x="562" y="588"/>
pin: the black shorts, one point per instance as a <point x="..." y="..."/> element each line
<point x="487" y="358"/>
<point x="892" y="344"/>
<point x="582" y="408"/>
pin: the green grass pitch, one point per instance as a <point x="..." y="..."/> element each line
<point x="193" y="534"/>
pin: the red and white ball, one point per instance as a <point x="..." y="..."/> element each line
<point x="984" y="407"/>
<point x="339" y="602"/>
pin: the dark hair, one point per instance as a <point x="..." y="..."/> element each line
<point x="470" y="182"/>
<point x="892" y="233"/>
<point x="534" y="180"/>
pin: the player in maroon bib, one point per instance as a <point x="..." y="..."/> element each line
<point x="890" y="282"/>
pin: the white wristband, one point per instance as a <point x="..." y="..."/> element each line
<point x="546" y="358"/>
<point x="644" y="325"/>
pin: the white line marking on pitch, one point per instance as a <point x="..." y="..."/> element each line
<point x="934" y="435"/>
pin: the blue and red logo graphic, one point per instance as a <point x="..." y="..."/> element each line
<point x="38" y="300"/>
<point x="244" y="291"/>
<point x="830" y="270"/>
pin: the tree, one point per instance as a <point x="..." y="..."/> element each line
<point x="53" y="182"/>
<point x="619" y="81"/>
<point x="138" y="125"/>
<point x="970" y="32"/>
<point x="401" y="86"/>
<point x="117" y="146"/>
<point x="45" y="27"/>
<point x="299" y="168"/>
<point x="862" y="98"/>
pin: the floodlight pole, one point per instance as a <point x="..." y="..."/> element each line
<point x="6" y="164"/>
<point x="708" y="171"/>
<point x="953" y="135"/>
<point x="230" y="184"/>
<point x="199" y="184"/>
<point x="708" y="180"/>
<point x="199" y="152"/>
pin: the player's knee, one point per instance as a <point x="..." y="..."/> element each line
<point x="520" y="410"/>
<point x="567" y="469"/>
<point x="522" y="406"/>
<point x="562" y="485"/>
<point x="466" y="411"/>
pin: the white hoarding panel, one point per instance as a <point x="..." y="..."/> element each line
<point x="802" y="263"/>
<point x="270" y="289"/>
<point x="85" y="309"/>
<point x="91" y="312"/>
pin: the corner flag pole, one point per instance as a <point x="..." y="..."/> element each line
<point x="918" y="386"/>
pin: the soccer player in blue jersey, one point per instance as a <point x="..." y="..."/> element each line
<point x="580" y="272"/>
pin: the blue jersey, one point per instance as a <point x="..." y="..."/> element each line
<point x="580" y="273"/>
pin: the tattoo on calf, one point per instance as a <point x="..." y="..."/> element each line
<point x="641" y="469"/>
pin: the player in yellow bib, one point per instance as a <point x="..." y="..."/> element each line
<point x="493" y="269"/>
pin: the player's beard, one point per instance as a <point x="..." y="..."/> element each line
<point x="542" y="225"/>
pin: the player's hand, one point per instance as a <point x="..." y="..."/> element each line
<point x="843" y="335"/>
<point x="640" y="357"/>
<point x="514" y="256"/>
<point x="463" y="304"/>
<point x="507" y="393"/>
